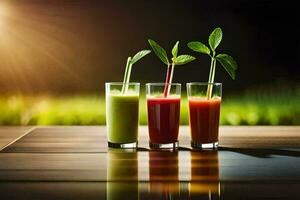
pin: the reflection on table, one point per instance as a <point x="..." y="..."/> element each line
<point x="204" y="182"/>
<point x="164" y="175"/>
<point x="122" y="175"/>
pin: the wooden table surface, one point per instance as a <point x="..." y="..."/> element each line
<point x="65" y="162"/>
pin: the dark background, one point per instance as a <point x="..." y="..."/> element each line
<point x="60" y="46"/>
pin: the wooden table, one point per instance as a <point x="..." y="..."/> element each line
<point x="75" y="163"/>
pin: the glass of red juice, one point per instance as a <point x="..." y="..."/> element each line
<point x="163" y="106"/>
<point x="204" y="101"/>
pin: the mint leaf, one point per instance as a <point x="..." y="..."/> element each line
<point x="215" y="38"/>
<point x="175" y="50"/>
<point x="183" y="59"/>
<point x="199" y="47"/>
<point x="139" y="55"/>
<point x="228" y="59"/>
<point x="228" y="63"/>
<point x="159" y="51"/>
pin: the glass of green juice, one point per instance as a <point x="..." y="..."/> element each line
<point x="122" y="114"/>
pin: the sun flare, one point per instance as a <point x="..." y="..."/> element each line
<point x="33" y="42"/>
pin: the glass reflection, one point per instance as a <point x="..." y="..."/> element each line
<point x="204" y="182"/>
<point x="122" y="174"/>
<point x="164" y="175"/>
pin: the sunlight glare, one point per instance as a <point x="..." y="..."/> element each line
<point x="3" y="14"/>
<point x="32" y="44"/>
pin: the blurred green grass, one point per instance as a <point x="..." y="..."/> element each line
<point x="250" y="108"/>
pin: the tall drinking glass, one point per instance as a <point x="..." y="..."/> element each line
<point x="122" y="114"/>
<point x="163" y="114"/>
<point x="204" y="101"/>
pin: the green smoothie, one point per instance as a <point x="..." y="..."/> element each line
<point x="122" y="117"/>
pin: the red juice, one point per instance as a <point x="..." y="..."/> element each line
<point x="204" y="119"/>
<point x="163" y="119"/>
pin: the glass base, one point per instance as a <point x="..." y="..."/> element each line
<point x="213" y="145"/>
<point x="123" y="145"/>
<point x="164" y="146"/>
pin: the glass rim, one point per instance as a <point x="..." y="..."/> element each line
<point x="203" y="83"/>
<point x="163" y="84"/>
<point x="121" y="83"/>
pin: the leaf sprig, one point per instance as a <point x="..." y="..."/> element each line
<point x="175" y="60"/>
<point x="129" y="64"/>
<point x="225" y="60"/>
<point x="162" y="54"/>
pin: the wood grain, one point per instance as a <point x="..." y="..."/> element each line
<point x="10" y="134"/>
<point x="93" y="139"/>
<point x="211" y="166"/>
<point x="75" y="163"/>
